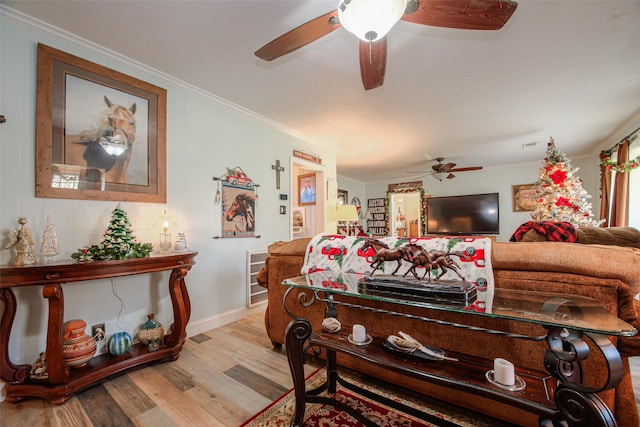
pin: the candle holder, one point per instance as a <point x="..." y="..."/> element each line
<point x="518" y="385"/>
<point x="165" y="242"/>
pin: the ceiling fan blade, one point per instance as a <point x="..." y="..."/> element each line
<point x="300" y="36"/>
<point x="471" y="168"/>
<point x="451" y="176"/>
<point x="373" y="63"/>
<point x="463" y="14"/>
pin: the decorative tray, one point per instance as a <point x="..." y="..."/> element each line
<point x="415" y="353"/>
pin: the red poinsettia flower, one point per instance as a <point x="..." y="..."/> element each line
<point x="563" y="201"/>
<point x="558" y="177"/>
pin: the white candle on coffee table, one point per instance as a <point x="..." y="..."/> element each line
<point x="503" y="372"/>
<point x="359" y="333"/>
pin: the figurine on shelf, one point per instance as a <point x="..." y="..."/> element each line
<point x="49" y="247"/>
<point x="39" y="368"/>
<point x="23" y="242"/>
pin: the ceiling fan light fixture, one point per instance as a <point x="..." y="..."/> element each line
<point x="370" y="20"/>
<point x="440" y="175"/>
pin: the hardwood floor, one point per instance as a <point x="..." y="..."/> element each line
<point x="222" y="378"/>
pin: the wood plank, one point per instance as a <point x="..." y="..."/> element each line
<point x="102" y="409"/>
<point x="171" y="400"/>
<point x="28" y="413"/>
<point x="221" y="384"/>
<point x="155" y="417"/>
<point x="129" y="397"/>
<point x="71" y="414"/>
<point x="200" y="338"/>
<point x="173" y="374"/>
<point x="262" y="385"/>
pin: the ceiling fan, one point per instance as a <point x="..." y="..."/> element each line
<point x="445" y="170"/>
<point x="370" y="20"/>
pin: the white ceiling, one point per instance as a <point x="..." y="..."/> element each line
<point x="567" y="69"/>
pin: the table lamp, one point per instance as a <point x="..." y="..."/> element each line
<point x="347" y="213"/>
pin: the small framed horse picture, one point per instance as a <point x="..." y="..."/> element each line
<point x="100" y="134"/>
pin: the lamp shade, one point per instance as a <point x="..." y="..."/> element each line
<point x="347" y="213"/>
<point x="370" y="20"/>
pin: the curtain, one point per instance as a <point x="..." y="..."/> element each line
<point x="619" y="197"/>
<point x="605" y="194"/>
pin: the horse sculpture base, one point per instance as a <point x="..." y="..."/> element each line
<point x="447" y="292"/>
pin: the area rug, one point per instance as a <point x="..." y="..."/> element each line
<point x="433" y="413"/>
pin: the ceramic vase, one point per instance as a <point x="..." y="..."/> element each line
<point x="119" y="343"/>
<point x="77" y="348"/>
<point x="151" y="333"/>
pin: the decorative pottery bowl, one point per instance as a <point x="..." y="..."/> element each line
<point x="77" y="347"/>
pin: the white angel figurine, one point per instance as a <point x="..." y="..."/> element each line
<point x="23" y="242"/>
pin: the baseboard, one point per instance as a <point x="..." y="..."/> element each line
<point x="213" y="322"/>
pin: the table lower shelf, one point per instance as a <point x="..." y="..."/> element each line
<point x="468" y="373"/>
<point x="98" y="368"/>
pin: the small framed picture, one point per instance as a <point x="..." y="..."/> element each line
<point x="525" y="197"/>
<point x="343" y="197"/>
<point x="307" y="189"/>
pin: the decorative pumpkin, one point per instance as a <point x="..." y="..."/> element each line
<point x="119" y="343"/>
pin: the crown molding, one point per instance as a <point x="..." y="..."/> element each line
<point x="40" y="27"/>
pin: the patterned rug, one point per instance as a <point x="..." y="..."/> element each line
<point x="435" y="413"/>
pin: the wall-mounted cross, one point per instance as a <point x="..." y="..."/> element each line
<point x="278" y="169"/>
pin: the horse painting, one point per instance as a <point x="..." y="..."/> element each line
<point x="242" y="212"/>
<point x="107" y="146"/>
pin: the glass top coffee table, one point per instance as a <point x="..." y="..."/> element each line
<point x="567" y="320"/>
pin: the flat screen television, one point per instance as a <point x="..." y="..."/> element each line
<point x="462" y="215"/>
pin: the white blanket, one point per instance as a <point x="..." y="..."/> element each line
<point x="471" y="257"/>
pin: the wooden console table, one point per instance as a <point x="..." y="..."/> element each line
<point x="568" y="319"/>
<point x="63" y="381"/>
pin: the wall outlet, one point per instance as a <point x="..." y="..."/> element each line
<point x="94" y="330"/>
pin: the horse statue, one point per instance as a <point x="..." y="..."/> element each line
<point x="419" y="257"/>
<point x="108" y="146"/>
<point x="382" y="253"/>
<point x="243" y="206"/>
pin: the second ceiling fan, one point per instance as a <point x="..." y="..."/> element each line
<point x="445" y="170"/>
<point x="370" y="20"/>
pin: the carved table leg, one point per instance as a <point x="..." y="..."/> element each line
<point x="181" y="310"/>
<point x="577" y="403"/>
<point x="297" y="333"/>
<point x="58" y="372"/>
<point x="8" y="371"/>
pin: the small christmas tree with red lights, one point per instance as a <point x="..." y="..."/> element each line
<point x="562" y="197"/>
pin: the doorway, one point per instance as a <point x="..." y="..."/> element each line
<point x="307" y="217"/>
<point x="407" y="213"/>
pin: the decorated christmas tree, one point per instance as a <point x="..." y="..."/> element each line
<point x="118" y="242"/>
<point x="562" y="197"/>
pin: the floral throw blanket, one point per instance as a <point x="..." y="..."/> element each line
<point x="461" y="258"/>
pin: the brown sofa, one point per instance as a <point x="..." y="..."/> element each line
<point x="609" y="274"/>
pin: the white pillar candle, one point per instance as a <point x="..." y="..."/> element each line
<point x="503" y="372"/>
<point x="359" y="333"/>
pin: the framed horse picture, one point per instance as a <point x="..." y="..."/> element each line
<point x="100" y="134"/>
<point x="238" y="210"/>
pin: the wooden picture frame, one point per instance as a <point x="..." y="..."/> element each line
<point x="343" y="197"/>
<point x="307" y="189"/>
<point x="100" y="134"/>
<point x="524" y="197"/>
